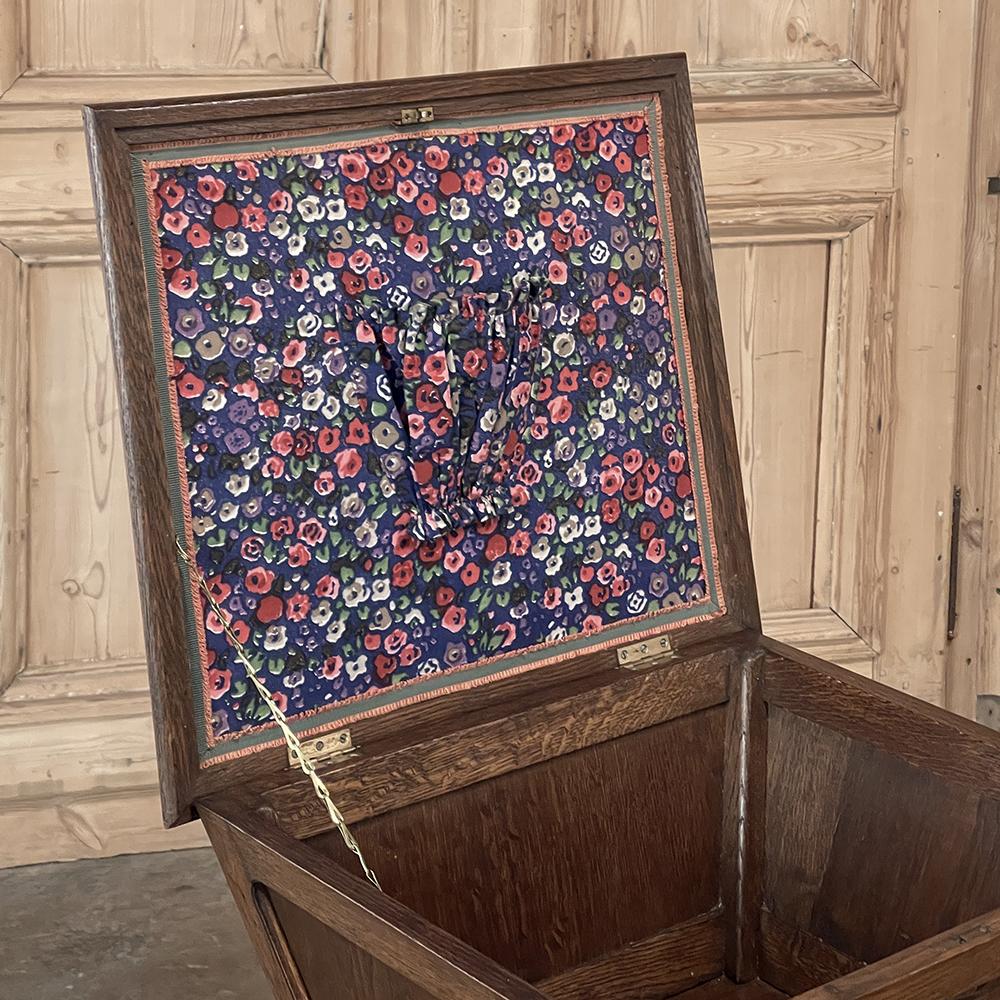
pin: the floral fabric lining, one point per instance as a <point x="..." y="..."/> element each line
<point x="431" y="408"/>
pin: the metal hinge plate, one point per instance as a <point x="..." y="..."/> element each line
<point x="643" y="653"/>
<point x="325" y="748"/>
<point x="415" y="116"/>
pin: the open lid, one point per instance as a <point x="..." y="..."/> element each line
<point x="427" y="379"/>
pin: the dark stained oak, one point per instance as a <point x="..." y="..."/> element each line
<point x="668" y="963"/>
<point x="551" y="866"/>
<point x="114" y="132"/>
<point x="794" y="961"/>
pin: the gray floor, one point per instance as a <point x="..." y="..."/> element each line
<point x="146" y="927"/>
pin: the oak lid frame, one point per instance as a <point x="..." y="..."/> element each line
<point x="116" y="131"/>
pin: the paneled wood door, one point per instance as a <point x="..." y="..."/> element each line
<point x="824" y="125"/>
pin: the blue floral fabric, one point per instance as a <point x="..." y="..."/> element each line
<point x="429" y="405"/>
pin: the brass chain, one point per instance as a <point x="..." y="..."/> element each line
<point x="294" y="744"/>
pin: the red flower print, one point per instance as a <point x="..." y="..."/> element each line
<point x="560" y="409"/>
<point x="454" y="619"/>
<point x="359" y="261"/>
<point x="611" y="510"/>
<point x="416" y="247"/>
<point x="327" y="586"/>
<point x="297" y="607"/>
<point x="563" y="160"/>
<point x="402" y="163"/>
<point x="569" y="380"/>
<point x="219" y="682"/>
<point x="225" y="216"/>
<point x="353" y="166"/>
<point x="612" y="481"/>
<point x="562" y="134"/>
<point x="175" y="222"/>
<point x="282" y="442"/>
<point x="298" y="555"/>
<point x="246" y="170"/>
<point x="470" y="574"/>
<point x="171" y="192"/>
<point x="600" y="374"/>
<point x="281" y="527"/>
<point x="436" y="367"/>
<point x="189" y="386"/>
<point x="402" y="224"/>
<point x="211" y="188"/>
<point x="253" y="218"/>
<point x="557" y="272"/>
<point x="436" y="157"/>
<point x="348" y="463"/>
<point x="183" y="283"/>
<point x="312" y="532"/>
<point x="332" y="666"/>
<point x="280" y="201"/>
<point x="473" y="182"/>
<point x="684" y="486"/>
<point x="355" y="196"/>
<point x="449" y="183"/>
<point x="259" y="580"/>
<point x="378" y="152"/>
<point x="169" y="258"/>
<point x="353" y="284"/>
<point x="328" y="439"/>
<point x="614" y="203"/>
<point x="293" y="352"/>
<point x="198" y="235"/>
<point x="656" y="550"/>
<point x="252" y="548"/>
<point x="299" y="279"/>
<point x="270" y="609"/>
<point x="675" y="460"/>
<point x="496" y="166"/>
<point x="427" y="204"/>
<point x="357" y="432"/>
<point x="273" y="467"/>
<point x="496" y="547"/>
<point x="402" y="573"/>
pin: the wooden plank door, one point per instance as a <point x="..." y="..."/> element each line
<point x="835" y="139"/>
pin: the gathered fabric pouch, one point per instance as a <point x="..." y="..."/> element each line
<point x="463" y="373"/>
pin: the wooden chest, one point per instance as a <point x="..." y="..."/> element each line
<point x="431" y="453"/>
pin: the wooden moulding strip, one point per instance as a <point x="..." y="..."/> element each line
<point x="915" y="731"/>
<point x="952" y="964"/>
<point x="370" y="784"/>
<point x="676" y="959"/>
<point x="794" y="960"/>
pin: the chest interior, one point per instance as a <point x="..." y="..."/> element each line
<point x="718" y="831"/>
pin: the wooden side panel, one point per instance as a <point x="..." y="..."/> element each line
<point x="547" y="868"/>
<point x="372" y="39"/>
<point x="867" y="852"/>
<point x="86" y="36"/>
<point x="82" y="583"/>
<point x="351" y="940"/>
<point x="323" y="958"/>
<point x="772" y="298"/>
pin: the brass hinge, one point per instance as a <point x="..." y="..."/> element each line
<point x="415" y="116"/>
<point x="325" y="748"/>
<point x="639" y="653"/>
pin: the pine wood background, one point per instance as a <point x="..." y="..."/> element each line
<point x="845" y="146"/>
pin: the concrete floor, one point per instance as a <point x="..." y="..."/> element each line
<point x="145" y="927"/>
